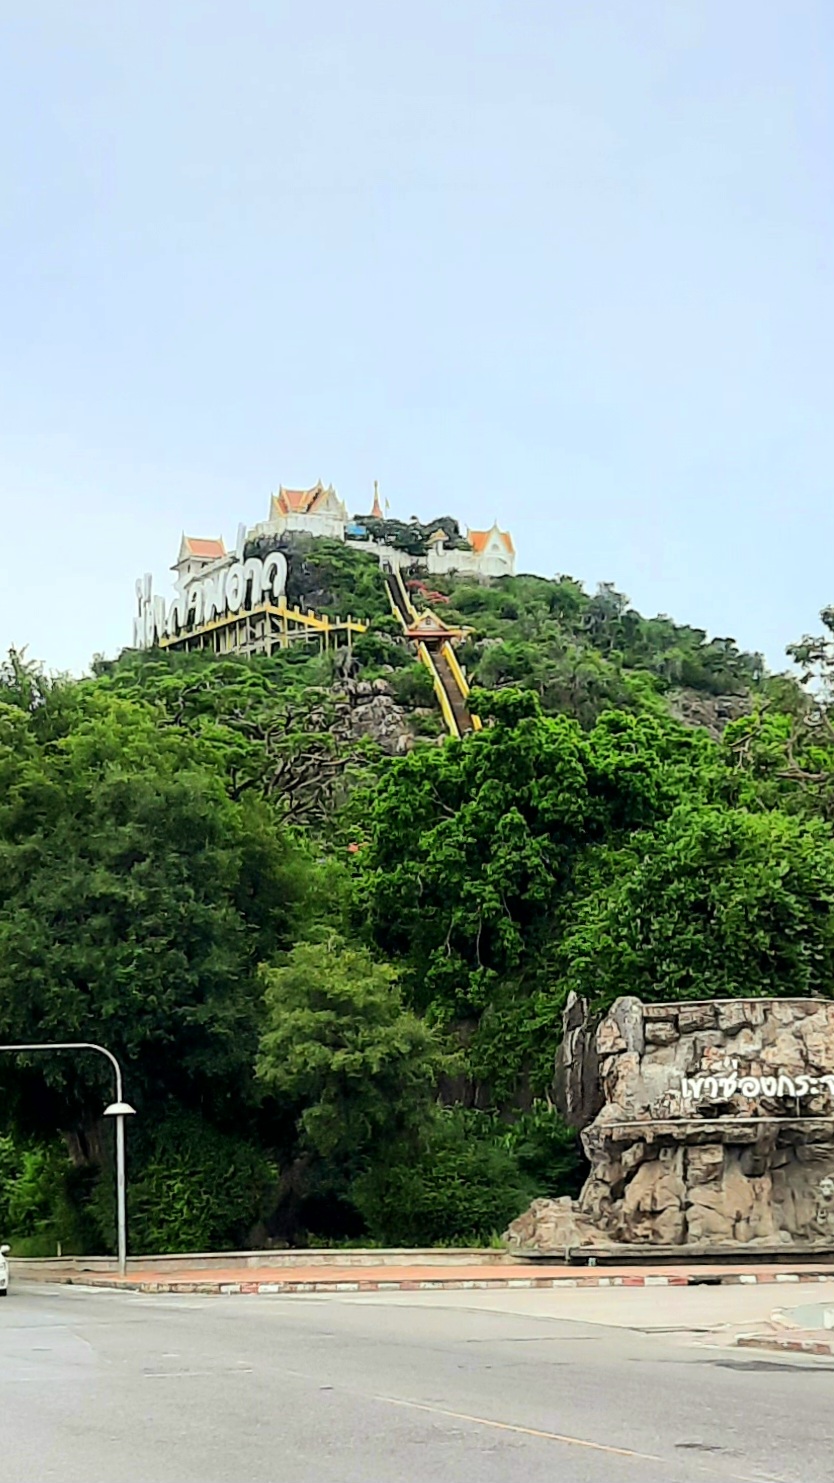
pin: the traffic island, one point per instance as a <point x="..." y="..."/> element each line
<point x="807" y="1329"/>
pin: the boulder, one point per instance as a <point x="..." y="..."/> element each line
<point x="785" y="1053"/>
<point x="610" y="1040"/>
<point x="704" y="1224"/>
<point x="552" y="1225"/>
<point x="713" y="1166"/>
<point x="654" y="1187"/>
<point x="577" y="1089"/>
<point x="669" y="1227"/>
<point x="704" y="1164"/>
<point x="377" y="715"/>
<point x="627" y="1014"/>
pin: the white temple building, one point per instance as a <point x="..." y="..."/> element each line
<point x="196" y="555"/>
<point x="491" y="554"/>
<point x="319" y="511"/>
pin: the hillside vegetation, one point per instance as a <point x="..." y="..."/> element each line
<point x="579" y="652"/>
<point x="334" y="976"/>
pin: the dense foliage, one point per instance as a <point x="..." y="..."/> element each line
<point x="741" y="902"/>
<point x="458" y="1188"/>
<point x="584" y="654"/>
<point x="335" y="978"/>
<point x="177" y="1202"/>
<point x="337" y="1042"/>
<point x="137" y="900"/>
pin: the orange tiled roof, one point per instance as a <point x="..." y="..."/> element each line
<point x="478" y="539"/>
<point x="207" y="550"/>
<point x="293" y="501"/>
<point x="299" y="501"/>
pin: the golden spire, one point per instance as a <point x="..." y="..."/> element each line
<point x="377" y="509"/>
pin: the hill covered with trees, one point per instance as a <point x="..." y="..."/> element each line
<point x="333" y="968"/>
<point x="581" y="653"/>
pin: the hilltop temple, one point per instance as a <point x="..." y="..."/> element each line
<point x="235" y="600"/>
<point x="319" y="511"/>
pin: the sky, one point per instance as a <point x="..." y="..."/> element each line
<point x="566" y="264"/>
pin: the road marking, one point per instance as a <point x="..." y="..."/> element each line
<point x="527" y="1431"/>
<point x="548" y="1436"/>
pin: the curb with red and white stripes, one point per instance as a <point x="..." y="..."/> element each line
<point x="793" y="1346"/>
<point x="288" y="1285"/>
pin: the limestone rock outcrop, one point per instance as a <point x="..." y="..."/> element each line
<point x="705" y="1124"/>
<point x="711" y="712"/>
<point x="373" y="712"/>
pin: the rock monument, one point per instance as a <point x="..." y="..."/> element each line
<point x="707" y="1125"/>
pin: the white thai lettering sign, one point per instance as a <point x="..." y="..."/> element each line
<point x="228" y="586"/>
<point x="721" y="1082"/>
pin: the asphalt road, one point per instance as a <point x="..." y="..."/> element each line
<point x="122" y="1388"/>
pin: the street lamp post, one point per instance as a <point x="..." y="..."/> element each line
<point x="120" y="1109"/>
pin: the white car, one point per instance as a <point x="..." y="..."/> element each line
<point x="4" y="1271"/>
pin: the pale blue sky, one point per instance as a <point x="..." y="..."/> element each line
<point x="563" y="262"/>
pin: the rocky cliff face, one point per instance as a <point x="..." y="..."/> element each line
<point x="712" y="712"/>
<point x="705" y="1124"/>
<point x="371" y="711"/>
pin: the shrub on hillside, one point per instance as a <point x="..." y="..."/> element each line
<point x="43" y="1198"/>
<point x="547" y="1151"/>
<point x="413" y="686"/>
<point x="197" y="1190"/>
<point x="463" y="1188"/>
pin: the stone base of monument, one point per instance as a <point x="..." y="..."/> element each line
<point x="622" y="1253"/>
<point x="709" y="1130"/>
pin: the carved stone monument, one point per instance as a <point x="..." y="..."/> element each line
<point x="706" y="1125"/>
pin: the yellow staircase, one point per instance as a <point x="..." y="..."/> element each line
<point x="433" y="639"/>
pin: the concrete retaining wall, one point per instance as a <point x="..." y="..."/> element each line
<point x="59" y="1267"/>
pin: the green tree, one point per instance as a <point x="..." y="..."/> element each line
<point x="469" y="868"/>
<point x="784" y="752"/>
<point x="136" y="901"/>
<point x="546" y="1150"/>
<point x="585" y="654"/>
<point x="470" y="848"/>
<point x="192" y="1188"/>
<point x="360" y="1069"/>
<point x="265" y="725"/>
<point x="714" y="903"/>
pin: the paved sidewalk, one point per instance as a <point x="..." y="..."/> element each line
<point x="704" y="1314"/>
<point x="417" y="1278"/>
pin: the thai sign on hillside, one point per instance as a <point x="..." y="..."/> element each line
<point x="226" y="587"/>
